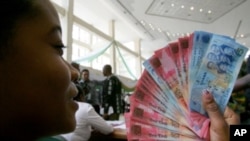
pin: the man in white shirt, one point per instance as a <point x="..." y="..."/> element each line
<point x="87" y="120"/>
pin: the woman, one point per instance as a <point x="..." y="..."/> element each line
<point x="36" y="83"/>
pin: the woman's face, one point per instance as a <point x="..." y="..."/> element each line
<point x="36" y="82"/>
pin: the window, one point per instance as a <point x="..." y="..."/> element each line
<point x="84" y="36"/>
<point x="126" y="59"/>
<point x="76" y="32"/>
<point x="79" y="52"/>
<point x="130" y="45"/>
<point x="99" y="62"/>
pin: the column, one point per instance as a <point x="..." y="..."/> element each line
<point x="68" y="20"/>
<point x="139" y="59"/>
<point x="113" y="50"/>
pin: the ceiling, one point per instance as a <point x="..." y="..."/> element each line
<point x="158" y="22"/>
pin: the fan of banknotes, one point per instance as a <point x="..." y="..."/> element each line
<point x="166" y="104"/>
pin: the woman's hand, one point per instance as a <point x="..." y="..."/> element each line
<point x="219" y="126"/>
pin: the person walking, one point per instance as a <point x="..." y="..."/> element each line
<point x="112" y="94"/>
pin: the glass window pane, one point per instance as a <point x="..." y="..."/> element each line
<point x="76" y="32"/>
<point x="130" y="45"/>
<point x="99" y="62"/>
<point x="84" y="36"/>
<point x="79" y="52"/>
<point x="127" y="59"/>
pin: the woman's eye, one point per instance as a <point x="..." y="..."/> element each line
<point x="60" y="48"/>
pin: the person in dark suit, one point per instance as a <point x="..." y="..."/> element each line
<point x="112" y="94"/>
<point x="91" y="90"/>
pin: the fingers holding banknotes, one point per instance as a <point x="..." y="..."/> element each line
<point x="219" y="126"/>
<point x="231" y="117"/>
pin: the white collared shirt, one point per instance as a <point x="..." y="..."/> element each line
<point x="87" y="118"/>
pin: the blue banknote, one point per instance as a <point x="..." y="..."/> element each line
<point x="201" y="41"/>
<point x="218" y="72"/>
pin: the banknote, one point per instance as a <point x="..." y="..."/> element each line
<point x="200" y="44"/>
<point x="150" y="85"/>
<point x="193" y="119"/>
<point x="150" y="102"/>
<point x="153" y="118"/>
<point x="175" y="52"/>
<point x="139" y="130"/>
<point x="170" y="71"/>
<point x="141" y="97"/>
<point x="162" y="84"/>
<point x="165" y="68"/>
<point x="218" y="72"/>
<point x="142" y="94"/>
<point x="147" y="83"/>
<point x="185" y="47"/>
<point x="199" y="124"/>
<point x="168" y="94"/>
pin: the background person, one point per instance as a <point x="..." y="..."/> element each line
<point x="241" y="91"/>
<point x="87" y="120"/>
<point x="112" y="94"/>
<point x="77" y="81"/>
<point x="91" y="90"/>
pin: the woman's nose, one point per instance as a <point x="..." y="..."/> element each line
<point x="75" y="74"/>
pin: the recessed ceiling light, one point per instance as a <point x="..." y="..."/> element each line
<point x="242" y="35"/>
<point x="192" y="8"/>
<point x="201" y="10"/>
<point x="143" y="23"/>
<point x="209" y="11"/>
<point x="172" y="5"/>
<point x="182" y="6"/>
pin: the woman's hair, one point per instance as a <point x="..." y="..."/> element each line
<point x="11" y="12"/>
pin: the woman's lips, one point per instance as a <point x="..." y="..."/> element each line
<point x="74" y="93"/>
<point x="74" y="105"/>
